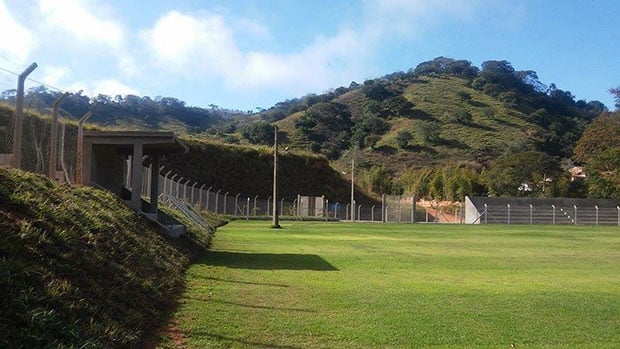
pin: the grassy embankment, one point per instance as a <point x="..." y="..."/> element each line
<point x="369" y="285"/>
<point x="80" y="269"/>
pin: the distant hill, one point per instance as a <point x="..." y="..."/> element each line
<point x="127" y="112"/>
<point x="443" y="111"/>
<point x="443" y="116"/>
<point x="436" y="130"/>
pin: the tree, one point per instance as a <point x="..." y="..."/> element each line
<point x="616" y="93"/>
<point x="604" y="169"/>
<point x="328" y="126"/>
<point x="259" y="133"/>
<point x="396" y="107"/>
<point x="508" y="173"/>
<point x="402" y="139"/>
<point x="601" y="134"/>
<point x="427" y="132"/>
<point x="377" y="180"/>
<point x="461" y="117"/>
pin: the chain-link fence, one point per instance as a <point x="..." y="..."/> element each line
<point x="36" y="145"/>
<point x="543" y="211"/>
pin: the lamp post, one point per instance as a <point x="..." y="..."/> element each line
<point x="353" y="187"/>
<point x="275" y="222"/>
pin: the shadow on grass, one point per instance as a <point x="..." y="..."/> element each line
<point x="245" y="282"/>
<point x="241" y="341"/>
<point x="267" y="261"/>
<point x="252" y="306"/>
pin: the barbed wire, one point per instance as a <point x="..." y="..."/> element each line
<point x="33" y="80"/>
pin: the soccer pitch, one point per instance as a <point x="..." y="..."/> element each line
<point x="357" y="285"/>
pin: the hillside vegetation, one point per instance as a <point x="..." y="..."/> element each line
<point x="80" y="269"/>
<point x="249" y="171"/>
<point x="441" y="130"/>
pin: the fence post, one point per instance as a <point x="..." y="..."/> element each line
<point x="185" y="189"/>
<point x="618" y="208"/>
<point x="508" y="205"/>
<point x="575" y="206"/>
<point x="166" y="181"/>
<point x="383" y="209"/>
<point x="177" y="186"/>
<point x="19" y="118"/>
<point x="200" y="199"/>
<point x="225" y="198"/>
<point x="531" y="214"/>
<point x="486" y="210"/>
<point x="217" y="200"/>
<point x="553" y="206"/>
<point x="207" y="201"/>
<point x="336" y="210"/>
<point x="414" y="199"/>
<point x="347" y="212"/>
<point x="596" y="208"/>
<point x="386" y="213"/>
<point x="326" y="209"/>
<point x="247" y="209"/>
<point x="191" y="198"/>
<point x="426" y="213"/>
<point x="237" y="204"/>
<point x="281" y="206"/>
<point x="255" y="209"/>
<point x="372" y="213"/>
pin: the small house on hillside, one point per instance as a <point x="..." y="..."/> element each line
<point x="577" y="173"/>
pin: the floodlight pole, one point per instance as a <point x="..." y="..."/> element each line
<point x="19" y="117"/>
<point x="353" y="186"/>
<point x="53" y="164"/>
<point x="275" y="222"/>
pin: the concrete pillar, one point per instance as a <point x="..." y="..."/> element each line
<point x="136" y="176"/>
<point x="154" y="184"/>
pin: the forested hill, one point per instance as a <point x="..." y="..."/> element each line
<point x="443" y="130"/>
<point x="444" y="108"/>
<point x="128" y="112"/>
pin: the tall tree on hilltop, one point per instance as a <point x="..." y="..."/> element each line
<point x="616" y="93"/>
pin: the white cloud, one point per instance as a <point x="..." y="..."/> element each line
<point x="16" y="42"/>
<point x="54" y="75"/>
<point x="385" y="18"/>
<point x="110" y="87"/>
<point x="253" y="28"/>
<point x="181" y="42"/>
<point x="205" y="45"/>
<point x="317" y="66"/>
<point x="76" y="18"/>
<point x="113" y="87"/>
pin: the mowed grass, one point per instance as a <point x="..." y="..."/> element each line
<point x="342" y="285"/>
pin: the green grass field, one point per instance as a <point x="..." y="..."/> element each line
<point x="339" y="285"/>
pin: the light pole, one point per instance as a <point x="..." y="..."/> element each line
<point x="353" y="186"/>
<point x="275" y="222"/>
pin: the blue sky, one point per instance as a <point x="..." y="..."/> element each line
<point x="244" y="54"/>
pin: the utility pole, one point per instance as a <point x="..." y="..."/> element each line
<point x="275" y="223"/>
<point x="353" y="186"/>
<point x="19" y="117"/>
